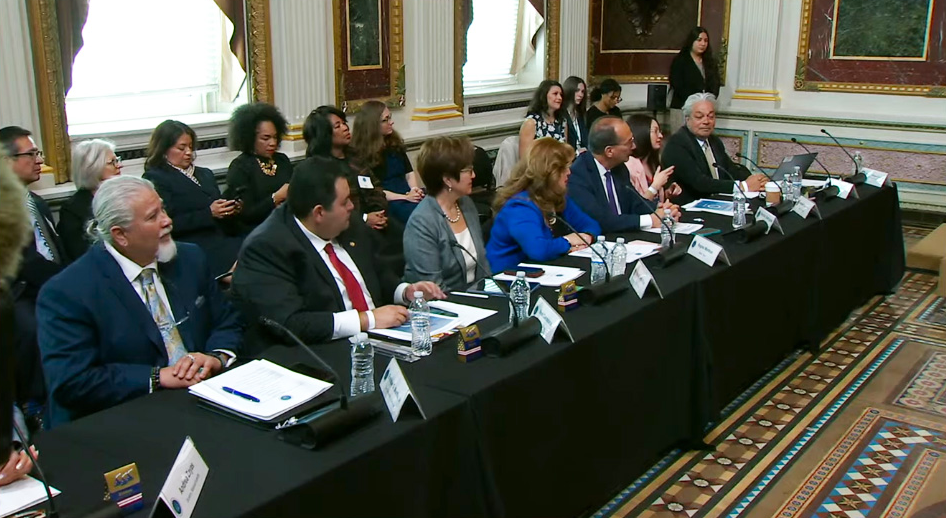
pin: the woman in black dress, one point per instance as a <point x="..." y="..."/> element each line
<point x="604" y="101"/>
<point x="93" y="162"/>
<point x="575" y="108"/>
<point x="693" y="70"/>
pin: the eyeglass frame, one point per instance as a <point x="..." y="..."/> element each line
<point x="35" y="153"/>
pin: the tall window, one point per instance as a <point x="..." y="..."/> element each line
<point x="490" y="43"/>
<point x="144" y="61"/>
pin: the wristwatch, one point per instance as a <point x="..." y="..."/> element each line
<point x="154" y="384"/>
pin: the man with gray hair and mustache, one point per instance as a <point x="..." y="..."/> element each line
<point x="136" y="314"/>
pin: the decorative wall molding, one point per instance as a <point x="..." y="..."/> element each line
<point x="759" y="46"/>
<point x="260" y="50"/>
<point x="44" y="34"/>
<point x="573" y="58"/>
<point x="435" y="55"/>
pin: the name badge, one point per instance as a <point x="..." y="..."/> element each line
<point x="845" y="189"/>
<point x="803" y="207"/>
<point x="707" y="251"/>
<point x="184" y="483"/>
<point x="641" y="279"/>
<point x="874" y="177"/>
<point x="397" y="391"/>
<point x="365" y="182"/>
<point x="124" y="488"/>
<point x="550" y="320"/>
<point x="769" y="219"/>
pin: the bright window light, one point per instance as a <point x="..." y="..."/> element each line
<point x="490" y="43"/>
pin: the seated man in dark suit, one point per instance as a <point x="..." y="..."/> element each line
<point x="693" y="150"/>
<point x="313" y="269"/>
<point x="601" y="185"/>
<point x="137" y="313"/>
<point x="43" y="256"/>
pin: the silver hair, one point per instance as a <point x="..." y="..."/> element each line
<point x="112" y="205"/>
<point x="88" y="162"/>
<point x="697" y="98"/>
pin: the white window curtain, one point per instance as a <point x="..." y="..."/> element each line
<point x="528" y="23"/>
<point x="490" y="44"/>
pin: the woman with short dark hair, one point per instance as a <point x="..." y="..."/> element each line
<point x="545" y="116"/>
<point x="446" y="219"/>
<point x="260" y="175"/>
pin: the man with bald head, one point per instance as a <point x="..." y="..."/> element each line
<point x="600" y="183"/>
<point x="698" y="155"/>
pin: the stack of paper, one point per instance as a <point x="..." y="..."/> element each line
<point x="260" y="390"/>
<point x="554" y="276"/>
<point x="636" y="249"/>
<point x="678" y="228"/>
<point x="22" y="494"/>
<point x="723" y="208"/>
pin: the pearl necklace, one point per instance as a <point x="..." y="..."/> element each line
<point x="459" y="214"/>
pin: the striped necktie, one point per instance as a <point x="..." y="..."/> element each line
<point x="41" y="232"/>
<point x="159" y="312"/>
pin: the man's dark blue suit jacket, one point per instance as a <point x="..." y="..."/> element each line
<point x="585" y="189"/>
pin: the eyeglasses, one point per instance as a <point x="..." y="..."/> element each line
<point x="468" y="169"/>
<point x="35" y="153"/>
<point x="115" y="162"/>
<point x="387" y="119"/>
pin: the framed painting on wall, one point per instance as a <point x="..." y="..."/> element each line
<point x="634" y="41"/>
<point x="864" y="46"/>
<point x="369" y="45"/>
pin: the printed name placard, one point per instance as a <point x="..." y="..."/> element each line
<point x="550" y="320"/>
<point x="178" y="496"/>
<point x="641" y="278"/>
<point x="845" y="189"/>
<point x="707" y="251"/>
<point x="769" y="219"/>
<point x="803" y="207"/>
<point x="365" y="182"/>
<point x="397" y="391"/>
<point x="874" y="177"/>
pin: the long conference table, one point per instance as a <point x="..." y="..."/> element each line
<point x="549" y="430"/>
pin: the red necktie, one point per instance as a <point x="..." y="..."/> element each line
<point x="355" y="294"/>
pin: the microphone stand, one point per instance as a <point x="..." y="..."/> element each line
<point x="612" y="286"/>
<point x="829" y="191"/>
<point x="781" y="208"/>
<point x="508" y="337"/>
<point x="858" y="177"/>
<point x="51" y="511"/>
<point x="749" y="232"/>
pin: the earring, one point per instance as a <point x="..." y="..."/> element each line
<point x="449" y="189"/>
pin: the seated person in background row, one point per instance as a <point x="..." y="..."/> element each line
<point x="313" y="269"/>
<point x="693" y="150"/>
<point x="651" y="181"/>
<point x="601" y="184"/>
<point x="93" y="162"/>
<point x="137" y="313"/>
<point x="447" y="217"/>
<point x="529" y="205"/>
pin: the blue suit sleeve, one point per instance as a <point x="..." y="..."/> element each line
<point x="578" y="219"/>
<point x="582" y="192"/>
<point x="527" y="226"/>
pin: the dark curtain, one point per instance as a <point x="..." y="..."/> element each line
<point x="233" y="10"/>
<point x="71" y="15"/>
<point x="467" y="21"/>
<point x="539" y="6"/>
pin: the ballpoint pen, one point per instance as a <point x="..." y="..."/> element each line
<point x="443" y="312"/>
<point x="243" y="395"/>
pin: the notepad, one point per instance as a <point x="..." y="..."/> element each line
<point x="277" y="388"/>
<point x="22" y="494"/>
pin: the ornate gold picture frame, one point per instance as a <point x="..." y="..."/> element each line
<point x="369" y="52"/>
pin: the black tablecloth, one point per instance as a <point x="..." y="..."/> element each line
<point x="550" y="430"/>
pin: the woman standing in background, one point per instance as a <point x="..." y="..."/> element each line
<point x="693" y="70"/>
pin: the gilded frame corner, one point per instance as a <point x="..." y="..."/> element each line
<point x="395" y="50"/>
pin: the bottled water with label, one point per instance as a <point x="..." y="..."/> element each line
<point x="362" y="365"/>
<point x="796" y="182"/>
<point x="618" y="258"/>
<point x="519" y="294"/>
<point x="420" y="325"/>
<point x="858" y="162"/>
<point x="666" y="229"/>
<point x="787" y="188"/>
<point x="739" y="207"/>
<point x="599" y="267"/>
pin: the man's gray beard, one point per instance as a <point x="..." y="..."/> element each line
<point x="167" y="251"/>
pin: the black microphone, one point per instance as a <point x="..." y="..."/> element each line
<point x="731" y="177"/>
<point x="51" y="510"/>
<point x="745" y="233"/>
<point x="280" y="331"/>
<point x="611" y="286"/>
<point x="828" y="191"/>
<point x="783" y="207"/>
<point x="858" y="177"/>
<point x="506" y="338"/>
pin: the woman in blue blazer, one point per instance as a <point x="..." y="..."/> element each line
<point x="529" y="205"/>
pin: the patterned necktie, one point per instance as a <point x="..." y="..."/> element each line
<point x="41" y="231"/>
<point x="611" y="201"/>
<point x="159" y="312"/>
<point x="710" y="159"/>
<point x="355" y="293"/>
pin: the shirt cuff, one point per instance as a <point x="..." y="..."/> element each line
<point x="364" y="217"/>
<point x="646" y="221"/>
<point x="401" y="296"/>
<point x="348" y="323"/>
<point x="745" y="186"/>
<point x="231" y="356"/>
<point x="653" y="191"/>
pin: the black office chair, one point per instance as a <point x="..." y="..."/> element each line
<point x="484" y="184"/>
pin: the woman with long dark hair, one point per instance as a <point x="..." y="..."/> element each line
<point x="647" y="177"/>
<point x="575" y="107"/>
<point x="545" y="117"/>
<point x="693" y="70"/>
<point x="604" y="101"/>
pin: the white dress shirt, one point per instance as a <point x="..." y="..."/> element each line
<point x="347" y="323"/>
<point x="645" y="219"/>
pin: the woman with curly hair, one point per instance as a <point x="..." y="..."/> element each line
<point x="260" y="175"/>
<point x="379" y="148"/>
<point x="529" y="205"/>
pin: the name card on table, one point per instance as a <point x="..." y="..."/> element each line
<point x="365" y="182"/>
<point x="845" y="189"/>
<point x="397" y="391"/>
<point x="550" y="320"/>
<point x="875" y="177"/>
<point x="178" y="496"/>
<point x="641" y="278"/>
<point x="803" y="207"/>
<point x="769" y="219"/>
<point x="707" y="251"/>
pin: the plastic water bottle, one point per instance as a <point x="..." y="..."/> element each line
<point x="362" y="365"/>
<point x="618" y="258"/>
<point x="666" y="229"/>
<point x="796" y="182"/>
<point x="787" y="188"/>
<point x="739" y="207"/>
<point x="599" y="267"/>
<point x="420" y="325"/>
<point x="519" y="294"/>
<point x="858" y="162"/>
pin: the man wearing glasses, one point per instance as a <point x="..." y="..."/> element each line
<point x="43" y="257"/>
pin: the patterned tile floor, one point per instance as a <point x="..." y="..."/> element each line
<point x="787" y="450"/>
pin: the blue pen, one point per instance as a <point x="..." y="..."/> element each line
<point x="243" y="395"/>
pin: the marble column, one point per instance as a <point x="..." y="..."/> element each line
<point x="573" y="57"/>
<point x="758" y="52"/>
<point x="429" y="64"/>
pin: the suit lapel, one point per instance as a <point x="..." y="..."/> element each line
<point x="594" y="176"/>
<point x="312" y="255"/>
<point x="124" y="291"/>
<point x="698" y="155"/>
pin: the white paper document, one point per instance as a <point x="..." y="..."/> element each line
<point x="723" y="208"/>
<point x="554" y="275"/>
<point x="468" y="315"/>
<point x="23" y="494"/>
<point x="636" y="249"/>
<point x="276" y="389"/>
<point x="440" y="326"/>
<point x="679" y="228"/>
